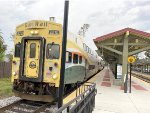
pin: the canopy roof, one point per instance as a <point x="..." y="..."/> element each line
<point x="112" y="45"/>
<point x="121" y="32"/>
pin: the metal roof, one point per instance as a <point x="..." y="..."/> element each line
<point x="121" y="32"/>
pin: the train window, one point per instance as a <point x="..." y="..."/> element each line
<point x="52" y="51"/>
<point x="17" y="49"/>
<point x="75" y="59"/>
<point x="68" y="57"/>
<point x="76" y="40"/>
<point x="32" y="50"/>
<point x="20" y="33"/>
<point x="53" y="32"/>
<point x="84" y="46"/>
<point x="89" y="51"/>
<point x="80" y="59"/>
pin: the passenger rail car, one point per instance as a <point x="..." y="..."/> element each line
<point x="37" y="60"/>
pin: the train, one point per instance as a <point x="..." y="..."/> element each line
<point x="36" y="61"/>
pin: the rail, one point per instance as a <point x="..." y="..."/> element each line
<point x="141" y="76"/>
<point x="84" y="103"/>
<point x="25" y="106"/>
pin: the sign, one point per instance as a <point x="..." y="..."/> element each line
<point x="131" y="59"/>
<point x="119" y="71"/>
<point x="36" y="24"/>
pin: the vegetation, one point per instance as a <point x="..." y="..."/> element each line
<point x="5" y="87"/>
<point x="2" y="48"/>
<point x="9" y="56"/>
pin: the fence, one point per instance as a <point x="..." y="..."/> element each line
<point x="85" y="102"/>
<point x="5" y="69"/>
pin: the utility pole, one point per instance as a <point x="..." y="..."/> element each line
<point x="63" y="56"/>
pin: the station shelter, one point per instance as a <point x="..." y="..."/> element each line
<point x="116" y="47"/>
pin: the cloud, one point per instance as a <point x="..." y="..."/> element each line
<point x="104" y="16"/>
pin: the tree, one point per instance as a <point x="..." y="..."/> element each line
<point x="9" y="56"/>
<point x="2" y="48"/>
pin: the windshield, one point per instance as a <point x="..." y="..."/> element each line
<point x="52" y="51"/>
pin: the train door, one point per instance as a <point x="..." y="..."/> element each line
<point x="32" y="59"/>
<point x="32" y="56"/>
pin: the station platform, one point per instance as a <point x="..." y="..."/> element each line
<point x="112" y="99"/>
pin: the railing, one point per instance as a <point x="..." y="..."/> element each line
<point x="84" y="103"/>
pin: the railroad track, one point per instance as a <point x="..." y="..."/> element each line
<point x="26" y="106"/>
<point x="144" y="78"/>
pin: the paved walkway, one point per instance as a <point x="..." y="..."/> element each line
<point x="112" y="99"/>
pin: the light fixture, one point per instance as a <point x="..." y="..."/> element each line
<point x="13" y="73"/>
<point x="54" y="76"/>
<point x="36" y="32"/>
<point x="32" y="32"/>
<point x="136" y="40"/>
<point x="115" y="40"/>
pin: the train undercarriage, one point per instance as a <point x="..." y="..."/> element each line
<point x="39" y="91"/>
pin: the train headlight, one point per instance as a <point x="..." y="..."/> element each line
<point x="14" y="73"/>
<point x="32" y="32"/>
<point x="36" y="32"/>
<point x="54" y="76"/>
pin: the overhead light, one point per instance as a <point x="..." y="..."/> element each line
<point x="136" y="40"/>
<point x="115" y="40"/>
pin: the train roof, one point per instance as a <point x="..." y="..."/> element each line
<point x="38" y="24"/>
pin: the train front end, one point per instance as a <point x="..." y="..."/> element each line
<point x="36" y="61"/>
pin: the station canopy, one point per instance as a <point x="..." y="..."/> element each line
<point x="125" y="42"/>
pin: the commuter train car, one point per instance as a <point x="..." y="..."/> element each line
<point x="37" y="60"/>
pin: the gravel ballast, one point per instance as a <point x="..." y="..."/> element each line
<point x="9" y="100"/>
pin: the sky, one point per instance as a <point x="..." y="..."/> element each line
<point x="103" y="16"/>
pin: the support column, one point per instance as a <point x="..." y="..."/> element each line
<point x="147" y="68"/>
<point x="115" y="70"/>
<point x="125" y="56"/>
<point x="142" y="68"/>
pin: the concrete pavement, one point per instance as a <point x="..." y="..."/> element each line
<point x="112" y="99"/>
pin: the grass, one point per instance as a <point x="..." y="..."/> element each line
<point x="5" y="87"/>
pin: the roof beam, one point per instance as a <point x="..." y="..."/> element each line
<point x="139" y="50"/>
<point x="106" y="53"/>
<point x="138" y="44"/>
<point x="111" y="49"/>
<point x="120" y="44"/>
<point x="110" y="53"/>
<point x="111" y="44"/>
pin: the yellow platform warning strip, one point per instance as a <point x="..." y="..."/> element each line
<point x="75" y="93"/>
